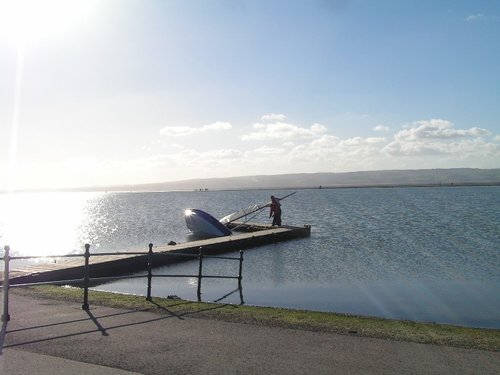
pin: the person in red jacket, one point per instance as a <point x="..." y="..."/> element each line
<point x="275" y="211"/>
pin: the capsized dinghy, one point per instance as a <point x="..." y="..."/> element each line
<point x="203" y="224"/>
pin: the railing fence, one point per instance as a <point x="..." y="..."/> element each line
<point x="86" y="280"/>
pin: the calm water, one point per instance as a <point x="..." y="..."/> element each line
<point x="427" y="254"/>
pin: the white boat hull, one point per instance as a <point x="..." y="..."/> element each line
<point x="203" y="224"/>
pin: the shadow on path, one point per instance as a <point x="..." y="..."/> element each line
<point x="2" y="335"/>
<point x="104" y="331"/>
<point x="100" y="329"/>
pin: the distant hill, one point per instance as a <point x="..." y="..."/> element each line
<point x="455" y="176"/>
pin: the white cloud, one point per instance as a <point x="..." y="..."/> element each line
<point x="422" y="144"/>
<point x="265" y="150"/>
<point x="326" y="140"/>
<point x="334" y="154"/>
<point x="219" y="125"/>
<point x="438" y="137"/>
<point x="318" y="129"/>
<point x="176" y="146"/>
<point x="183" y="131"/>
<point x="284" y="131"/>
<point x="374" y="140"/>
<point x="381" y="128"/>
<point x="358" y="141"/>
<point x="474" y="17"/>
<point x="497" y="138"/>
<point x="437" y="129"/>
<point x="177" y="131"/>
<point x="413" y="149"/>
<point x="273" y="117"/>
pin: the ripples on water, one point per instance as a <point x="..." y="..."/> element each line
<point x="412" y="253"/>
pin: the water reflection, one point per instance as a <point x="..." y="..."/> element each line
<point x="202" y="290"/>
<point x="61" y="223"/>
<point x="238" y="290"/>
<point x="44" y="223"/>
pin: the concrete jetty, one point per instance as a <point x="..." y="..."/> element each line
<point x="245" y="237"/>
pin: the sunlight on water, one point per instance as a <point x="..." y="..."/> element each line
<point x="44" y="223"/>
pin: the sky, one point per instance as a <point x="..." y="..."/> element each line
<point x="114" y="92"/>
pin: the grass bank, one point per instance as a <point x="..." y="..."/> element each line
<point x="425" y="333"/>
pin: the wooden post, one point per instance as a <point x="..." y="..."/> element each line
<point x="6" y="260"/>
<point x="150" y="274"/>
<point x="85" y="305"/>
<point x="200" y="267"/>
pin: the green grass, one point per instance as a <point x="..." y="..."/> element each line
<point x="426" y="333"/>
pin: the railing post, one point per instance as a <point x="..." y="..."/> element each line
<point x="241" y="269"/>
<point x="85" y="305"/>
<point x="6" y="257"/>
<point x="150" y="274"/>
<point x="200" y="268"/>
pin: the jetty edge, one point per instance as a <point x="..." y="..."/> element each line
<point x="105" y="265"/>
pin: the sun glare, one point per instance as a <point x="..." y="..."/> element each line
<point x="24" y="21"/>
<point x="44" y="223"/>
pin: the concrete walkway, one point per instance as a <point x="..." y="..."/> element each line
<point x="52" y="337"/>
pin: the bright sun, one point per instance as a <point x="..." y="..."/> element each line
<point x="23" y="21"/>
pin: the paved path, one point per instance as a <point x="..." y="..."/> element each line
<point x="52" y="337"/>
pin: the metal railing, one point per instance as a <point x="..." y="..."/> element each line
<point x="86" y="280"/>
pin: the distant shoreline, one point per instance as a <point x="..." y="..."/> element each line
<point x="325" y="180"/>
<point x="382" y="186"/>
<point x="458" y="184"/>
<point x="321" y="187"/>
